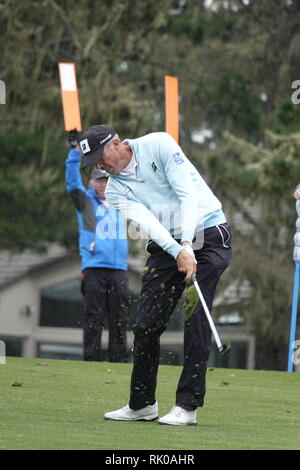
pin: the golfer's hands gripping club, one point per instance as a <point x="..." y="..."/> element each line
<point x="186" y="261"/>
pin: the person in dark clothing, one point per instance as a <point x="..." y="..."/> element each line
<point x="103" y="249"/>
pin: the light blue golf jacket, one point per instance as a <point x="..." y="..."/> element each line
<point x="167" y="198"/>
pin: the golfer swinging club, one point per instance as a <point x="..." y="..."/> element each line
<point x="155" y="186"/>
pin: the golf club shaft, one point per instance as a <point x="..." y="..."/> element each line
<point x="208" y="315"/>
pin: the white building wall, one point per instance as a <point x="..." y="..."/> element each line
<point x="20" y="306"/>
<point x="19" y="303"/>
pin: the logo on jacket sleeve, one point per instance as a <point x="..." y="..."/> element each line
<point x="178" y="158"/>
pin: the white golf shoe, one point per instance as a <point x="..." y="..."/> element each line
<point x="179" y="417"/>
<point x="149" y="413"/>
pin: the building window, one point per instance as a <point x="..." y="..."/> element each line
<point x="60" y="351"/>
<point x="236" y="359"/>
<point x="62" y="305"/>
<point x="13" y="346"/>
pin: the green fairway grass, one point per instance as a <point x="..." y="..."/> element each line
<point x="52" y="404"/>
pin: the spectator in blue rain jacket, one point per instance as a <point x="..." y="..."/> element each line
<point x="103" y="249"/>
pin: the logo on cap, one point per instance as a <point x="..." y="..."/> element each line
<point x="84" y="145"/>
<point x="109" y="136"/>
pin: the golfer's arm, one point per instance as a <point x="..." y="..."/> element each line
<point x="73" y="180"/>
<point x="143" y="218"/>
<point x="181" y="180"/>
<point x="190" y="210"/>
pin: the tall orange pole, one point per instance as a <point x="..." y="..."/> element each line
<point x="69" y="94"/>
<point x="172" y="106"/>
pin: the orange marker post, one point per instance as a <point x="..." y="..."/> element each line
<point x="172" y="107"/>
<point x="69" y="94"/>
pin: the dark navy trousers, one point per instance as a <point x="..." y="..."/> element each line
<point x="106" y="300"/>
<point x="162" y="287"/>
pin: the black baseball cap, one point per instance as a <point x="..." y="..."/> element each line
<point x="92" y="142"/>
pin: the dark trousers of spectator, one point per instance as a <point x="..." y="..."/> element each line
<point x="106" y="298"/>
<point x="162" y="287"/>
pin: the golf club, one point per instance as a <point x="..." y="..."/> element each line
<point x="223" y="348"/>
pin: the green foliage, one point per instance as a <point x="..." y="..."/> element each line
<point x="235" y="62"/>
<point x="277" y="167"/>
<point x="257" y="182"/>
<point x="234" y="98"/>
<point x="34" y="200"/>
<point x="288" y="116"/>
<point x="224" y="170"/>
